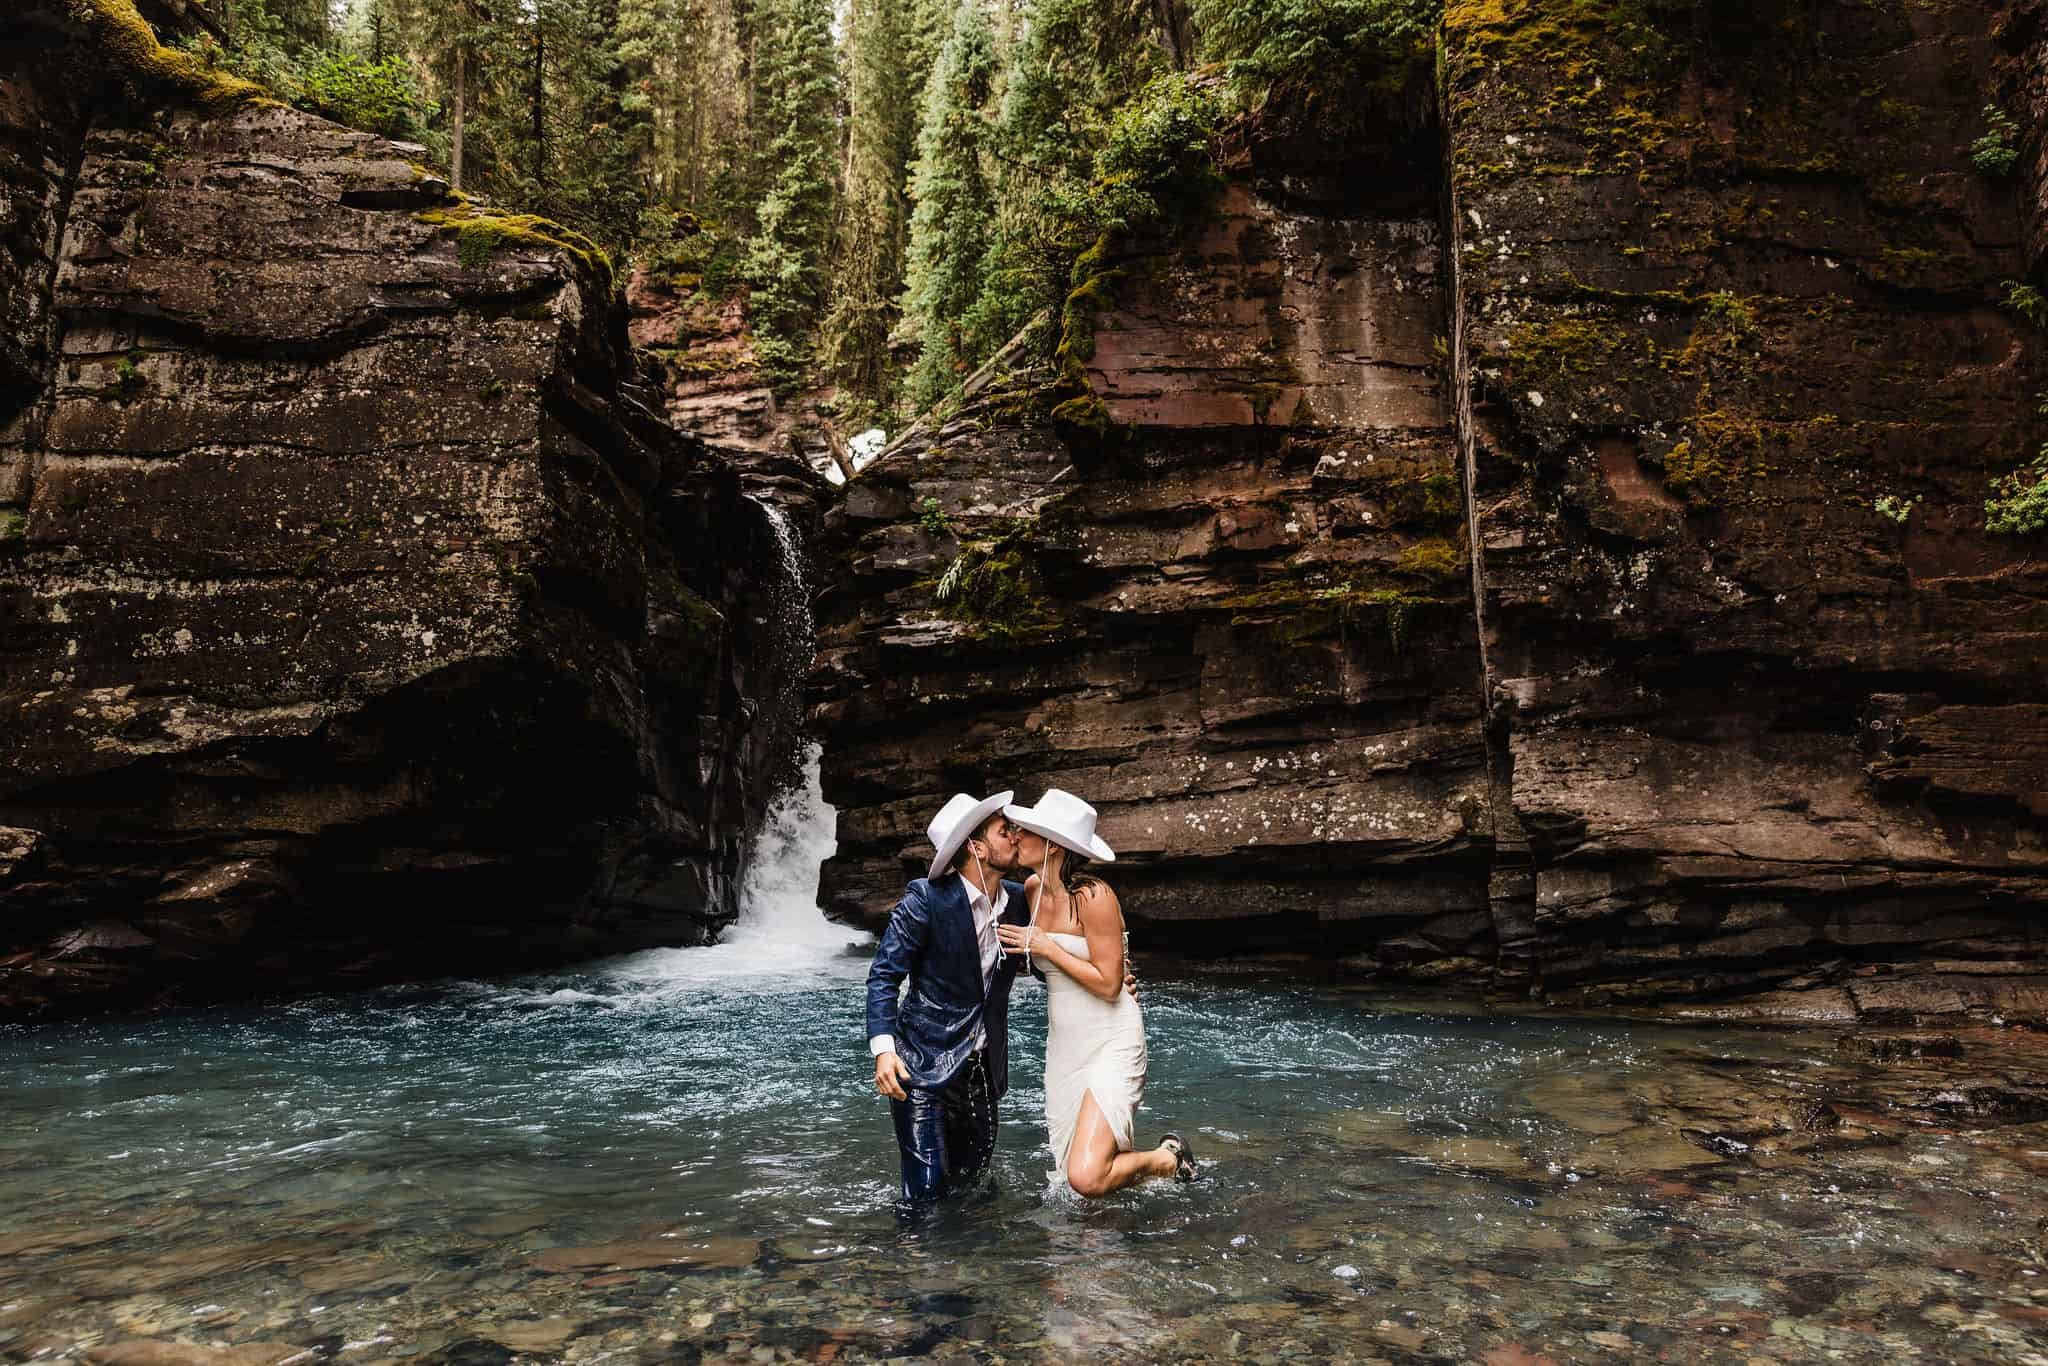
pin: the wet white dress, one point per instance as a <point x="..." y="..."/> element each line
<point x="1090" y="1045"/>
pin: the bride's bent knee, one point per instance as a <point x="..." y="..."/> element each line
<point x="1089" y="1182"/>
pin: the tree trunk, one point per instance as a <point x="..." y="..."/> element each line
<point x="836" y="444"/>
<point x="539" y="100"/>
<point x="455" y="145"/>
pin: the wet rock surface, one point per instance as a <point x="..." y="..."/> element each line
<point x="1704" y="723"/>
<point x="358" y="618"/>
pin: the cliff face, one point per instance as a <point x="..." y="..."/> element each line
<point x="356" y="617"/>
<point x="1233" y="633"/>
<point x="1710" y="299"/>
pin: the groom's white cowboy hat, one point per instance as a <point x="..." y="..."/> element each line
<point x="960" y="817"/>
<point x="1066" y="820"/>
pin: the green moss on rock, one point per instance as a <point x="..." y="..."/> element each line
<point x="1296" y="609"/>
<point x="1435" y="560"/>
<point x="481" y="232"/>
<point x="152" y="71"/>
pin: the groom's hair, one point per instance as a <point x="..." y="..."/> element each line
<point x="963" y="855"/>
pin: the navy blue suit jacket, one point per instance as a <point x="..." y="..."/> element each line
<point x="930" y="941"/>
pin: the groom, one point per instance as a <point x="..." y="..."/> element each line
<point x="942" y="1057"/>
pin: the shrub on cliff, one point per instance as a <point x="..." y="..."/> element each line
<point x="1997" y="152"/>
<point x="1320" y="46"/>
<point x="379" y="96"/>
<point x="2018" y="505"/>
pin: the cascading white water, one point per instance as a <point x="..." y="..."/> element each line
<point x="780" y="935"/>
<point x="789" y="598"/>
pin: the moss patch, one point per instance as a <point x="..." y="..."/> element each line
<point x="994" y="587"/>
<point x="481" y="232"/>
<point x="1435" y="560"/>
<point x="1079" y="413"/>
<point x="1297" y="610"/>
<point x="13" y="524"/>
<point x="1566" y="348"/>
<point x="152" y="71"/>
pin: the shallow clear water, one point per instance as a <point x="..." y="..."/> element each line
<point x="679" y="1154"/>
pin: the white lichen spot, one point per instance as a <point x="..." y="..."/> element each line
<point x="1535" y="399"/>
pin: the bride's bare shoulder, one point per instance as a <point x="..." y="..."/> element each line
<point x="1094" y="900"/>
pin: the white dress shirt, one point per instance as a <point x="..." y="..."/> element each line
<point x="986" y="914"/>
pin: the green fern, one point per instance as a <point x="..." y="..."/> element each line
<point x="1997" y="152"/>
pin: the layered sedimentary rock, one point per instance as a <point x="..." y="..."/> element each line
<point x="356" y="617"/>
<point x="1239" y="625"/>
<point x="1705" y="333"/>
<point x="2021" y="31"/>
<point x="1730" y="318"/>
<point x="703" y="359"/>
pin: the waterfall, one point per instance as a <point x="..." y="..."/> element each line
<point x="790" y="598"/>
<point x="780" y="932"/>
<point x="781" y="941"/>
<point x="779" y="912"/>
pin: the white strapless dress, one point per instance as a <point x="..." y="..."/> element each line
<point x="1090" y="1045"/>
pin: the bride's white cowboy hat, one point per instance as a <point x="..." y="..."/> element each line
<point x="960" y="817"/>
<point x="1066" y="820"/>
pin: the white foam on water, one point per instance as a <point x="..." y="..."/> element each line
<point x="781" y="937"/>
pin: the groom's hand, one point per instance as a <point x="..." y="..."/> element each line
<point x="890" y="1074"/>
<point x="1131" y="983"/>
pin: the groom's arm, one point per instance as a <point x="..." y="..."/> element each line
<point x="904" y="938"/>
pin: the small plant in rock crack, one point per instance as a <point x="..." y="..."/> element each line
<point x="1895" y="509"/>
<point x="2028" y="302"/>
<point x="2018" y="505"/>
<point x="128" y="378"/>
<point x="932" y="519"/>
<point x="1997" y="152"/>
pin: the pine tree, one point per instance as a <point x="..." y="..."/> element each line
<point x="884" y="84"/>
<point x="685" y="91"/>
<point x="949" y="227"/>
<point x="797" y="81"/>
<point x="452" y="39"/>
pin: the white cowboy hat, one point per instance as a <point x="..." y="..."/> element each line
<point x="1066" y="820"/>
<point x="960" y="817"/>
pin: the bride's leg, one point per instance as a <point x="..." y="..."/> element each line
<point x="1095" y="1167"/>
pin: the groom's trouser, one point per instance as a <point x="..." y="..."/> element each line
<point x="947" y="1136"/>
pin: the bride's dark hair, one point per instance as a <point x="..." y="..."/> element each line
<point x="1074" y="874"/>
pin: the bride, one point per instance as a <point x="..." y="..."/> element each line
<point x="1095" y="1031"/>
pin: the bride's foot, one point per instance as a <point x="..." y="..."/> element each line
<point x="1183" y="1156"/>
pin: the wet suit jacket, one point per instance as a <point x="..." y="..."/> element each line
<point x="931" y="941"/>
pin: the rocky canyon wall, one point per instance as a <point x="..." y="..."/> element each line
<point x="1688" y="320"/>
<point x="358" y="616"/>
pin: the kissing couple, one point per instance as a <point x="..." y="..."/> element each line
<point x="959" y="937"/>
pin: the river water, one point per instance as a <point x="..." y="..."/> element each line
<point x="678" y="1156"/>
